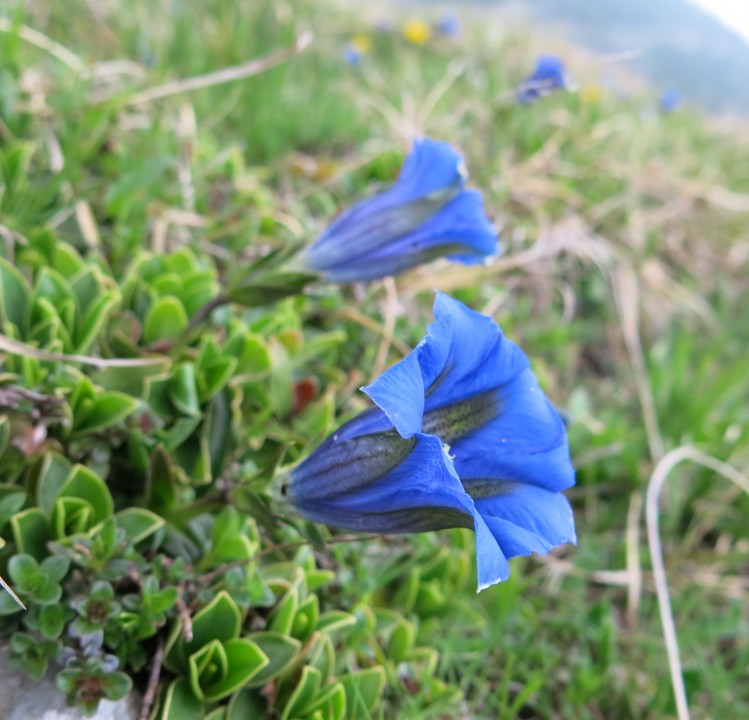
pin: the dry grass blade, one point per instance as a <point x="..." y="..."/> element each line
<point x="15" y="347"/>
<point x="655" y="485"/>
<point x="34" y="37"/>
<point x="225" y="75"/>
<point x="10" y="592"/>
<point x="627" y="296"/>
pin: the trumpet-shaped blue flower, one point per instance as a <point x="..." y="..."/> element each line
<point x="461" y="436"/>
<point x="427" y="213"/>
<point x="549" y="75"/>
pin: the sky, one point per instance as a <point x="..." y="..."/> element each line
<point x="734" y="13"/>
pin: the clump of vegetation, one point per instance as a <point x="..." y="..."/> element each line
<point x="138" y="450"/>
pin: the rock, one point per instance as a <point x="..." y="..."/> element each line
<point x="27" y="699"/>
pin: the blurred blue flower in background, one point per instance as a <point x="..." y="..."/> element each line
<point x="448" y="25"/>
<point x="351" y="56"/>
<point x="426" y="214"/>
<point x="462" y="436"/>
<point x="549" y="75"/>
<point x="670" y="100"/>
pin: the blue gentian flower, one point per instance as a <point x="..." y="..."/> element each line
<point x="548" y="76"/>
<point x="461" y="436"/>
<point x="670" y="100"/>
<point x="448" y="25"/>
<point x="351" y="55"/>
<point x="426" y="214"/>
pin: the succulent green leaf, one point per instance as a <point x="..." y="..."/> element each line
<point x="183" y="391"/>
<point x="86" y="485"/>
<point x="31" y="531"/>
<point x="206" y="666"/>
<point x="282" y="652"/>
<point x="165" y="320"/>
<point x="52" y="621"/>
<point x="247" y="704"/>
<point x="329" y="704"/>
<point x="14" y="297"/>
<point x="244" y="661"/>
<point x="304" y="694"/>
<point x="180" y="703"/>
<point x="55" y="567"/>
<point x="219" y="620"/>
<point x="10" y="503"/>
<point x="138" y="523"/>
<point x="363" y="692"/>
<point x="334" y="620"/>
<point x="282" y="617"/>
<point x="107" y="410"/>
<point x="93" y="321"/>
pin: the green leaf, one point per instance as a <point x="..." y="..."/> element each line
<point x="23" y="569"/>
<point x="138" y="523"/>
<point x="282" y="617"/>
<point x="305" y="692"/>
<point x="116" y="685"/>
<point x="253" y="355"/>
<point x="14" y="296"/>
<point x="207" y="666"/>
<point x="31" y="532"/>
<point x="10" y="503"/>
<point x="363" y="691"/>
<point x="245" y="660"/>
<point x="180" y="703"/>
<point x="67" y="260"/>
<point x="247" y="704"/>
<point x="54" y="470"/>
<point x="51" y="621"/>
<point x="183" y="391"/>
<point x="85" y="484"/>
<point x="305" y="620"/>
<point x="335" y="620"/>
<point x="165" y="320"/>
<point x="330" y="703"/>
<point x="402" y="641"/>
<point x="107" y="410"/>
<point x="94" y="319"/>
<point x="282" y="652"/>
<point x="322" y="656"/>
<point x="219" y="620"/>
<point x="55" y="567"/>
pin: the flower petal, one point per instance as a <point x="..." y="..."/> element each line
<point x="393" y="241"/>
<point x="431" y="167"/>
<point x="525" y="441"/>
<point x="543" y="513"/>
<point x="465" y="354"/>
<point x="410" y="486"/>
<point x="399" y="392"/>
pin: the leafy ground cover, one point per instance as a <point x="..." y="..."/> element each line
<point x="133" y="499"/>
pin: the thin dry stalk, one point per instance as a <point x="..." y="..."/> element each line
<point x="15" y="347"/>
<point x="655" y="485"/>
<point x="388" y="329"/>
<point x="153" y="682"/>
<point x="10" y="592"/>
<point x="40" y="40"/>
<point x="627" y="297"/>
<point x="225" y="75"/>
<point x="634" y="568"/>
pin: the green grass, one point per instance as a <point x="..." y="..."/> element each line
<point x="596" y="189"/>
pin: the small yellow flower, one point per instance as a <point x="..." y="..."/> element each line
<point x="417" y="32"/>
<point x="362" y="43"/>
<point x="592" y="94"/>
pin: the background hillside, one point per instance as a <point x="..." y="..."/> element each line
<point x="681" y="46"/>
